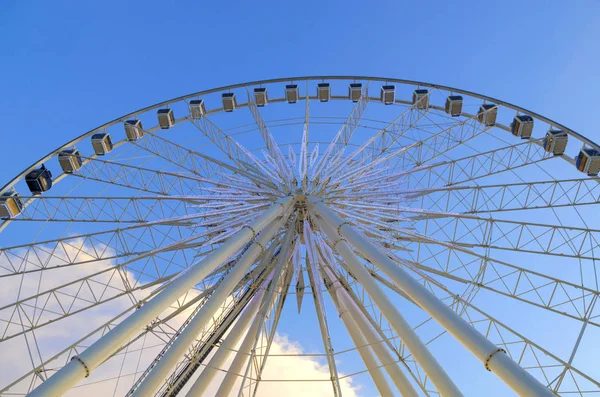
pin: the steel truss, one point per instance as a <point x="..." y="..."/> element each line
<point x="411" y="228"/>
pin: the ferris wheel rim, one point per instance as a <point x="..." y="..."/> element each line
<point x="89" y="133"/>
<point x="315" y="78"/>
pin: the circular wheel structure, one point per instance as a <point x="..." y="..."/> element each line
<point x="332" y="235"/>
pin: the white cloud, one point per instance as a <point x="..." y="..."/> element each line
<point x="15" y="357"/>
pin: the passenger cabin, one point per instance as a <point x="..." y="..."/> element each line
<point x="355" y="91"/>
<point x="166" y="118"/>
<point x="260" y="96"/>
<point x="134" y="130"/>
<point x="324" y="92"/>
<point x="70" y="160"/>
<point x="454" y="104"/>
<point x="229" y="103"/>
<point x="39" y="181"/>
<point x="421" y="99"/>
<point x="588" y="161"/>
<point x="102" y="143"/>
<point x="10" y="205"/>
<point x="555" y="142"/>
<point x="522" y="126"/>
<point x="487" y="114"/>
<point x="197" y="108"/>
<point x="291" y="93"/>
<point x="388" y="94"/>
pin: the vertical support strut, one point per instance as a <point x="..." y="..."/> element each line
<point x="382" y="353"/>
<point x="242" y="355"/>
<point x="365" y="351"/>
<point x="228" y="345"/>
<point x="287" y="247"/>
<point x="189" y="334"/>
<point x="494" y="358"/>
<point x="325" y="334"/>
<point x="420" y="352"/>
<point x="81" y="366"/>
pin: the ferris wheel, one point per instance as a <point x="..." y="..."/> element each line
<point x="306" y="235"/>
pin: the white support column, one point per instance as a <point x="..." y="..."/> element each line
<point x="249" y="344"/>
<point x="228" y="346"/>
<point x="381" y="351"/>
<point x="167" y="362"/>
<point x="420" y="352"/>
<point x="81" y="366"/>
<point x="494" y="358"/>
<point x="365" y="352"/>
<point x="240" y="359"/>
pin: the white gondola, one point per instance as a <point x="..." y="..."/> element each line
<point x="555" y="142"/>
<point x="388" y="94"/>
<point x="522" y="126"/>
<point x="134" y="130"/>
<point x="197" y="108"/>
<point x="355" y="91"/>
<point x="102" y="143"/>
<point x="39" y="180"/>
<point x="588" y="161"/>
<point x="421" y="99"/>
<point x="454" y="104"/>
<point x="324" y="92"/>
<point x="70" y="160"/>
<point x="260" y="96"/>
<point x="291" y="93"/>
<point x="10" y="205"/>
<point x="229" y="102"/>
<point x="166" y="118"/>
<point x="487" y="114"/>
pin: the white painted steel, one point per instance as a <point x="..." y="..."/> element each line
<point x="497" y="361"/>
<point x="166" y="364"/>
<point x="227" y="347"/>
<point x="366" y="354"/>
<point x="422" y="355"/>
<point x="382" y="353"/>
<point x="94" y="355"/>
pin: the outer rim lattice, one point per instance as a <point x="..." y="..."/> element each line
<point x="311" y="205"/>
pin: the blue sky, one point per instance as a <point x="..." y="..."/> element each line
<point x="69" y="66"/>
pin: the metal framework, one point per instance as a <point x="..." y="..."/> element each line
<point x="424" y="238"/>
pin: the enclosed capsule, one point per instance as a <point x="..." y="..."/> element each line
<point x="323" y="92"/>
<point x="70" y="160"/>
<point x="197" y="108"/>
<point x="487" y="114"/>
<point x="291" y="93"/>
<point x="102" y="143"/>
<point x="555" y="142"/>
<point x="588" y="161"/>
<point x="421" y="99"/>
<point x="355" y="91"/>
<point x="388" y="94"/>
<point x="10" y="205"/>
<point x="454" y="104"/>
<point x="229" y="102"/>
<point x="260" y="96"/>
<point x="39" y="181"/>
<point x="166" y="118"/>
<point x="522" y="126"/>
<point x="134" y="130"/>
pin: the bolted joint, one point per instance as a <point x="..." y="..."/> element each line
<point x="489" y="357"/>
<point x="251" y="229"/>
<point x="87" y="370"/>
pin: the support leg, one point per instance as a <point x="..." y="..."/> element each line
<point x="420" y="352"/>
<point x="494" y="359"/>
<point x="98" y="352"/>
<point x="203" y="317"/>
